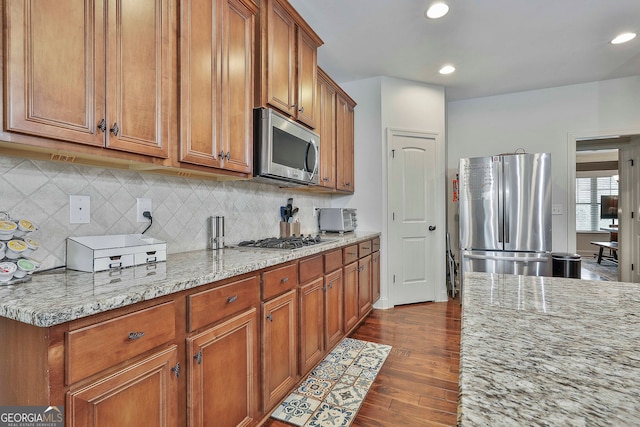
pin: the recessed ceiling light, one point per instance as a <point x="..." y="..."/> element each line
<point x="623" y="38"/>
<point x="437" y="10"/>
<point x="447" y="69"/>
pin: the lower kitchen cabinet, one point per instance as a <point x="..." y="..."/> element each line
<point x="144" y="393"/>
<point x="350" y="295"/>
<point x="311" y="324"/>
<point x="222" y="381"/>
<point x="365" y="296"/>
<point x="375" y="276"/>
<point x="334" y="308"/>
<point x="279" y="348"/>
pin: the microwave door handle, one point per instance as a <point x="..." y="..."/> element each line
<point x="306" y="157"/>
<point x="317" y="156"/>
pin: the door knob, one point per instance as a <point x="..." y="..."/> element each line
<point x="432" y="228"/>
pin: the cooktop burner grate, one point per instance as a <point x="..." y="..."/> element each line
<point x="283" y="242"/>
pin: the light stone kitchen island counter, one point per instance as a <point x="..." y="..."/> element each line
<point x="58" y="296"/>
<point x="546" y="351"/>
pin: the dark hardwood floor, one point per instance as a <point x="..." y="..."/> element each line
<point x="418" y="384"/>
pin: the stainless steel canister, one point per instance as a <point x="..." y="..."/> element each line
<point x="216" y="232"/>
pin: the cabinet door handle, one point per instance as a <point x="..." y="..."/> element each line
<point x="221" y="154"/>
<point x="102" y="126"/>
<point x="331" y="285"/>
<point x="114" y="129"/>
<point x="232" y="299"/>
<point x="135" y="335"/>
<point x="228" y="155"/>
<point x="325" y="179"/>
<point x="301" y="109"/>
<point x="176" y="370"/>
<point x="198" y="357"/>
<point x="269" y="317"/>
<point x="361" y="268"/>
<point x="348" y="184"/>
<point x="284" y="279"/>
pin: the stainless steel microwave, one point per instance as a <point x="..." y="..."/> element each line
<point x="285" y="152"/>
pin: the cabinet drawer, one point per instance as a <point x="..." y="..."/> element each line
<point x="375" y="244"/>
<point x="94" y="348"/>
<point x="214" y="304"/>
<point x="364" y="248"/>
<point x="332" y="260"/>
<point x="310" y="268"/>
<point x="350" y="254"/>
<point x="279" y="280"/>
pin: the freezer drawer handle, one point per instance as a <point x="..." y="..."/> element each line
<point x="508" y="258"/>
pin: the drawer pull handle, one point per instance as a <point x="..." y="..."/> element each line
<point x="232" y="299"/>
<point x="366" y="248"/>
<point x="351" y="253"/>
<point x="269" y="317"/>
<point x="151" y="253"/>
<point x="115" y="264"/>
<point x="135" y="335"/>
<point x="151" y="259"/>
<point x="284" y="279"/>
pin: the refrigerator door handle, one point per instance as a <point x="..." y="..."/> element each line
<point x="500" y="203"/>
<point x="505" y="194"/>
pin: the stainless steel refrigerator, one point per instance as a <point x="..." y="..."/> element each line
<point x="505" y="214"/>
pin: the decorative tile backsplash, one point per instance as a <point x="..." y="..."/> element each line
<point x="40" y="190"/>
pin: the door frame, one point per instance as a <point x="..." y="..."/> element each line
<point x="572" y="137"/>
<point x="440" y="214"/>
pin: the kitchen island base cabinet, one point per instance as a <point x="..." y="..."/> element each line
<point x="279" y="348"/>
<point x="140" y="394"/>
<point x="223" y="373"/>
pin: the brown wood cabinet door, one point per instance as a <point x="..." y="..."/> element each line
<point x="138" y="76"/>
<point x="238" y="27"/>
<point x="375" y="276"/>
<point x="326" y="112"/>
<point x="334" y="308"/>
<point x="281" y="59"/>
<point x="144" y="393"/>
<point x="307" y="79"/>
<point x="311" y="308"/>
<point x="200" y="83"/>
<point x="222" y="385"/>
<point x="364" y="285"/>
<point x="351" y="314"/>
<point x="217" y="83"/>
<point x="279" y="347"/>
<point x="344" y="145"/>
<point x="48" y="45"/>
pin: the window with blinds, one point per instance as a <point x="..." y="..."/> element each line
<point x="588" y="192"/>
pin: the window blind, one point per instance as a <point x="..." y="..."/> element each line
<point x="588" y="192"/>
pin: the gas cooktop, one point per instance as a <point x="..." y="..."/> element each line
<point x="284" y="242"/>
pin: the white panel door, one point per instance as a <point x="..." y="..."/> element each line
<point x="629" y="226"/>
<point x="414" y="220"/>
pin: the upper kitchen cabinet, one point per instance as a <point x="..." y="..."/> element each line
<point x="335" y="126"/>
<point x="217" y="39"/>
<point x="96" y="73"/>
<point x="288" y="62"/>
<point x="344" y="143"/>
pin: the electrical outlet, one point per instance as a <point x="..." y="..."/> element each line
<point x="79" y="209"/>
<point x="557" y="210"/>
<point x="143" y="205"/>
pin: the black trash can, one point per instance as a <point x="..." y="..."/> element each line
<point x="566" y="265"/>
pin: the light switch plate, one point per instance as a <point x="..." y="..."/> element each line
<point x="79" y="209"/>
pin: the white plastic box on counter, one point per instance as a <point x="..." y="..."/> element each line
<point x="100" y="253"/>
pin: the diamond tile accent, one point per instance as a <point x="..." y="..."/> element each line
<point x="39" y="191"/>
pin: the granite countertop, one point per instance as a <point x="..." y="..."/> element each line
<point x="546" y="351"/>
<point x="60" y="295"/>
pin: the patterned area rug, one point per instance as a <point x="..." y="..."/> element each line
<point x="607" y="271"/>
<point x="332" y="393"/>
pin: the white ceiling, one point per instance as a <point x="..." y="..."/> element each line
<point x="497" y="46"/>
